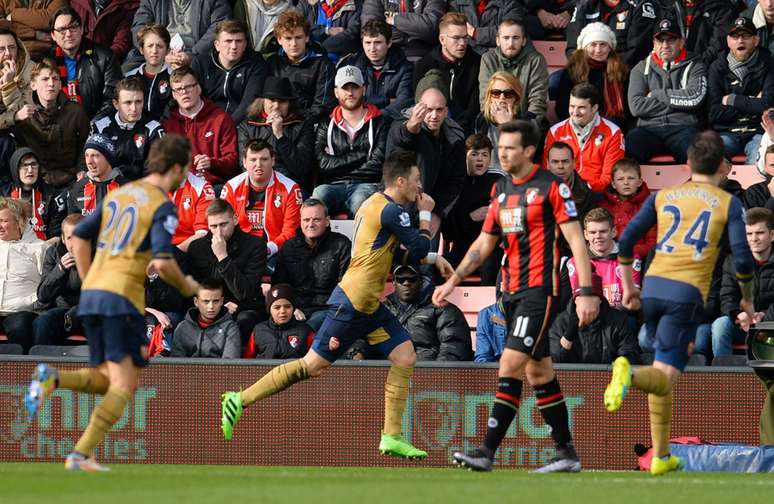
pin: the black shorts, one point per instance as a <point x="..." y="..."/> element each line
<point x="111" y="338"/>
<point x="529" y="316"/>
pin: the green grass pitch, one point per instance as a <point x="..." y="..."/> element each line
<point x="139" y="484"/>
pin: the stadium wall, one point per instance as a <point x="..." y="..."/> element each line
<point x="335" y="420"/>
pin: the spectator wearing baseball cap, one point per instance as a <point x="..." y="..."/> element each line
<point x="282" y="336"/>
<point x="666" y="94"/>
<point x="275" y="116"/>
<point x="741" y="88"/>
<point x="350" y="146"/>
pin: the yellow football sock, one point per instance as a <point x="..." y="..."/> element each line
<point x="105" y="415"/>
<point x="396" y="390"/>
<point x="276" y="380"/>
<point x="651" y="381"/>
<point x="84" y="380"/>
<point x="660" y="422"/>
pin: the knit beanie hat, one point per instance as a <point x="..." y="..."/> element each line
<point x="433" y="79"/>
<point x="277" y="292"/>
<point x="596" y="32"/>
<point x="104" y="145"/>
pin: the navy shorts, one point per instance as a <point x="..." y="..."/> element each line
<point x="112" y="338"/>
<point x="529" y="317"/>
<point x="346" y="324"/>
<point x="673" y="328"/>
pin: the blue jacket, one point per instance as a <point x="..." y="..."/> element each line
<point x="490" y="334"/>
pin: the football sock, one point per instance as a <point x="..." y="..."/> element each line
<point x="396" y="390"/>
<point x="504" y="408"/>
<point x="660" y="422"/>
<point x="651" y="381"/>
<point x="102" y="419"/>
<point x="276" y="380"/>
<point x="550" y="402"/>
<point x="84" y="380"/>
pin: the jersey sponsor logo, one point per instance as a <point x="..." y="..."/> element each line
<point x="404" y="219"/>
<point x="532" y="193"/>
<point x="208" y="193"/>
<point x="170" y="224"/>
<point x="565" y="191"/>
<point x="255" y="218"/>
<point x="569" y="207"/>
<point x="511" y="220"/>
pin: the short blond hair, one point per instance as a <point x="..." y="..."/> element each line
<point x="21" y="211"/>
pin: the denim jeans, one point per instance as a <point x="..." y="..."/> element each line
<point x="724" y="334"/>
<point x="742" y="144"/>
<point x="644" y="143"/>
<point x="344" y="198"/>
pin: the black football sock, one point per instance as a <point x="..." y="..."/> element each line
<point x="505" y="406"/>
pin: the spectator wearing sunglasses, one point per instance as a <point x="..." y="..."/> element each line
<point x="501" y="104"/>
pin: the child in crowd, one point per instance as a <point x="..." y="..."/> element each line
<point x="282" y="336"/>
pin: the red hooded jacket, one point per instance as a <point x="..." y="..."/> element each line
<point x="624" y="210"/>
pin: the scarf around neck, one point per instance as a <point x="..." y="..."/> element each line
<point x="741" y="68"/>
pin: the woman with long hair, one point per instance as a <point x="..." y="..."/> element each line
<point x="597" y="62"/>
<point x="501" y="105"/>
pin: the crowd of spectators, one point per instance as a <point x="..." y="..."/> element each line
<point x="292" y="106"/>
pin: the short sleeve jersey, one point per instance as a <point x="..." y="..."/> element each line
<point x="526" y="213"/>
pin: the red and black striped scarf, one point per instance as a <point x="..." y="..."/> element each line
<point x="70" y="88"/>
<point x="331" y="9"/>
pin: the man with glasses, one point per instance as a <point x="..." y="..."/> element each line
<point x="88" y="70"/>
<point x="483" y="18"/>
<point x="459" y="64"/>
<point x="210" y="129"/>
<point x="741" y="88"/>
<point x="513" y="54"/>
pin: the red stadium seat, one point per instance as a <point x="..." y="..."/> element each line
<point x="660" y="176"/>
<point x="668" y="160"/>
<point x="739" y="159"/>
<point x="553" y="52"/>
<point x="746" y="175"/>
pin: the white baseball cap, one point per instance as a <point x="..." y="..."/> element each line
<point x="349" y="74"/>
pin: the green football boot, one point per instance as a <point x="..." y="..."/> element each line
<point x="231" y="409"/>
<point x="399" y="447"/>
<point x="619" y="384"/>
<point x="659" y="466"/>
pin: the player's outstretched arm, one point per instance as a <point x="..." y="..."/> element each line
<point x="478" y="252"/>
<point x="586" y="304"/>
<point x="170" y="272"/>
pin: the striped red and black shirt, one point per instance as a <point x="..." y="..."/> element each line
<point x="526" y="212"/>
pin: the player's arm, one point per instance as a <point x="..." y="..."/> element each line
<point x="743" y="258"/>
<point x="586" y="304"/>
<point x="161" y="232"/>
<point x="83" y="234"/>
<point x="636" y="229"/>
<point x="476" y="255"/>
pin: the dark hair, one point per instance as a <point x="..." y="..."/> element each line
<point x="155" y="29"/>
<point x="219" y="207"/>
<point x="398" y="164"/>
<point x="212" y="283"/>
<point x="529" y="137"/>
<point x="478" y="141"/>
<point x="290" y="20"/>
<point x="627" y="164"/>
<point x="586" y="91"/>
<point x="257" y="145"/>
<point x="179" y="74"/>
<point x="598" y="215"/>
<point x="133" y="83"/>
<point x="231" y="26"/>
<point x="758" y="215"/>
<point x="313" y="202"/>
<point x="4" y="30"/>
<point x="168" y="151"/>
<point x="64" y="11"/>
<point x="706" y="153"/>
<point x="562" y="146"/>
<point x="376" y="27"/>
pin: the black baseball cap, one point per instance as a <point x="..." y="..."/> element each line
<point x="742" y="24"/>
<point x="667" y="27"/>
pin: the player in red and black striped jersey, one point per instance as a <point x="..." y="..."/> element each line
<point x="527" y="211"/>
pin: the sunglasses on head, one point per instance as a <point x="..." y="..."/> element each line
<point x="505" y="93"/>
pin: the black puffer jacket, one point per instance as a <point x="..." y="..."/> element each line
<point x="272" y="341"/>
<point x="757" y="195"/>
<point x="58" y="288"/>
<point x="438" y="333"/>
<point x="158" y="92"/>
<point x="486" y="25"/>
<point x="232" y="89"/>
<point x="312" y="272"/>
<point x="763" y="287"/>
<point x="293" y="153"/>
<point x="220" y="340"/>
<point x="607" y="338"/>
<point x="416" y="25"/>
<point x="359" y="160"/>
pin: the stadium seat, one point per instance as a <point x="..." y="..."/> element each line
<point x="746" y="175"/>
<point x="553" y="52"/>
<point x="730" y="360"/>
<point x="667" y="160"/>
<point x="10" y="349"/>
<point x="660" y="176"/>
<point x="472" y="300"/>
<point x="697" y="360"/>
<point x="345" y="227"/>
<point x="60" y="351"/>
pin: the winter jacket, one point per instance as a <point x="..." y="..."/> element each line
<point x="21" y="267"/>
<point x="97" y="72"/>
<point x="112" y="27"/>
<point x="158" y="92"/>
<point x="491" y="333"/>
<point x="632" y="21"/>
<point x="743" y="113"/>
<point x="131" y="140"/>
<point x="438" y="333"/>
<point x="458" y="228"/>
<point x="211" y="132"/>
<point x="602" y="149"/>
<point x="16" y="93"/>
<point x="204" y="15"/>
<point x="311" y="78"/>
<point x="260" y="18"/>
<point x="763" y="287"/>
<point x="391" y="91"/>
<point x="86" y="195"/>
<point x="313" y="272"/>
<point x="273" y="341"/>
<point x="416" y="23"/>
<point x="487" y="23"/>
<point x="294" y="154"/>
<point x="347" y="17"/>
<point x="676" y="95"/>
<point x="624" y="210"/>
<point x="608" y="269"/>
<point x="463" y="83"/>
<point x="57" y="135"/>
<point x="192" y="200"/>
<point x="441" y="160"/>
<point x="232" y="89"/>
<point x="529" y="66"/>
<point x="765" y="34"/>
<point x="757" y="195"/>
<point x="219" y="340"/>
<point x="30" y="21"/>
<point x="241" y="271"/>
<point x="356" y="161"/>
<point x="608" y="337"/>
<point x="58" y="288"/>
<point x="281" y="212"/>
<point x="46" y="214"/>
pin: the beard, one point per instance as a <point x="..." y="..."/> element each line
<point x="358" y="104"/>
